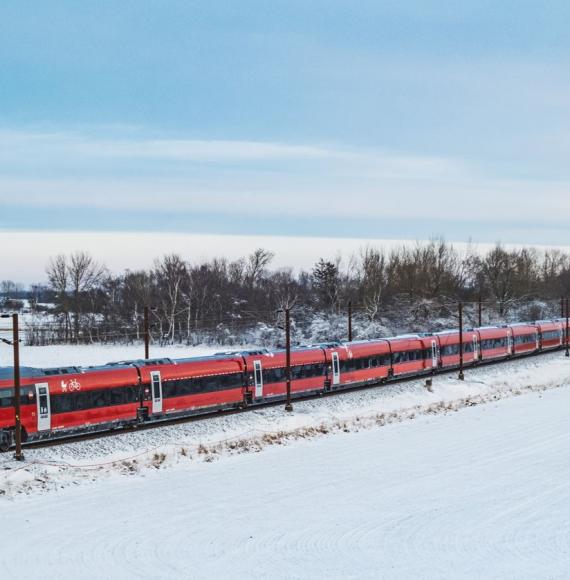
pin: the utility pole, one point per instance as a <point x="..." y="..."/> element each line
<point x="350" y="321"/>
<point x="461" y="375"/>
<point x="288" y="405"/>
<point x="18" y="456"/>
<point x="566" y="334"/>
<point x="480" y="311"/>
<point x="146" y="333"/>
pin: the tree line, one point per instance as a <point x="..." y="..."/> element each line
<point x="242" y="301"/>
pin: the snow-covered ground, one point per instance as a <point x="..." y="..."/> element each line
<point x="97" y="354"/>
<point x="386" y="483"/>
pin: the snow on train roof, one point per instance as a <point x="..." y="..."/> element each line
<point x="8" y="372"/>
<point x="403" y="336"/>
<point x="135" y="362"/>
<point x="366" y="341"/>
<point x="235" y="353"/>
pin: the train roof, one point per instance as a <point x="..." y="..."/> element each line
<point x="404" y="337"/>
<point x="8" y="372"/>
<point x="26" y="372"/>
<point x="253" y="352"/>
<point x="331" y="344"/>
<point x="365" y="341"/>
<point x="449" y="331"/>
<point x="61" y="371"/>
<point x="141" y="362"/>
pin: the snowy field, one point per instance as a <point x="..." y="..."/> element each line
<point x="470" y="480"/>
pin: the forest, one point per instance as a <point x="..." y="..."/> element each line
<point x="411" y="288"/>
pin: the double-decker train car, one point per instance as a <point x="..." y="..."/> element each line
<point x="267" y="373"/>
<point x="495" y="342"/>
<point x="59" y="401"/>
<point x="525" y="338"/>
<point x="551" y="333"/>
<point x="412" y="354"/>
<point x="190" y="385"/>
<point x="70" y="400"/>
<point x="449" y="347"/>
<point x="365" y="361"/>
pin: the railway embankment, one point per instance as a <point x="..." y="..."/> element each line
<point x="183" y="446"/>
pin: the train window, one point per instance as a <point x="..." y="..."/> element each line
<point x="273" y="375"/>
<point x="195" y="386"/>
<point x="552" y="335"/>
<point x="43" y="401"/>
<point x="156" y="385"/>
<point x="401" y="357"/>
<point x="27" y="397"/>
<point x="357" y="364"/>
<point x="6" y="398"/>
<point x="67" y="402"/>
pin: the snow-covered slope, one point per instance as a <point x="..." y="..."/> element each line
<point x="482" y="493"/>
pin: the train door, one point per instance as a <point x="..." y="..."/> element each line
<point x="43" y="407"/>
<point x="475" y="349"/>
<point x="258" y="379"/>
<point x="156" y="389"/>
<point x="335" y="369"/>
<point x="434" y="354"/>
<point x="510" y="341"/>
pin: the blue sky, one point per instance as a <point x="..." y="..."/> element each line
<point x="325" y="118"/>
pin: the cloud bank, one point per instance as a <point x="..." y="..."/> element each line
<point x="76" y="171"/>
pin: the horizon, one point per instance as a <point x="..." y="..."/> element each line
<point x="121" y="251"/>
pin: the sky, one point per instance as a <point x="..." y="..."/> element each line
<point x="326" y="119"/>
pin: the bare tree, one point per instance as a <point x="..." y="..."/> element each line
<point x="84" y="274"/>
<point x="256" y="265"/>
<point x="170" y="272"/>
<point x="71" y="279"/>
<point x="58" y="277"/>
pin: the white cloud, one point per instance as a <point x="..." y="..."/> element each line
<point x="72" y="170"/>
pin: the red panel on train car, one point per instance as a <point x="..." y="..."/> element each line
<point x="494" y="342"/>
<point x="551" y="333"/>
<point x="409" y="356"/>
<point x="362" y="362"/>
<point x="266" y="372"/>
<point x="449" y="347"/>
<point x="525" y="338"/>
<point x="190" y="384"/>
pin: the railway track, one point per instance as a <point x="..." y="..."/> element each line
<point x="121" y="430"/>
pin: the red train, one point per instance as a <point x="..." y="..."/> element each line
<point x="65" y="401"/>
